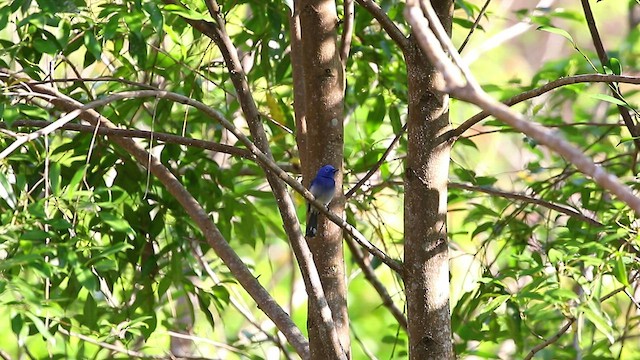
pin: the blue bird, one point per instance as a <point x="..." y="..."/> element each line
<point x="323" y="187"/>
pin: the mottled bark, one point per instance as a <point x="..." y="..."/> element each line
<point x="324" y="84"/>
<point x="427" y="166"/>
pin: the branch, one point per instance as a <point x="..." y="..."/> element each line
<point x="508" y="33"/>
<point x="550" y="340"/>
<point x="213" y="236"/>
<point x="604" y="60"/>
<point x="108" y="346"/>
<point x="140" y="134"/>
<point x="347" y="31"/>
<point x="375" y="168"/>
<point x="466" y="89"/>
<point x="475" y="25"/>
<point x="370" y="275"/>
<point x="44" y="131"/>
<point x="528" y="199"/>
<point x="576" y="79"/>
<point x="387" y="24"/>
<point x="566" y="327"/>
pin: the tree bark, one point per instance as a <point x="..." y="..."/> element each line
<point x="427" y="167"/>
<point x="323" y="95"/>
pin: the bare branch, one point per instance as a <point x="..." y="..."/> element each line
<point x="387" y="24"/>
<point x="576" y="79"/>
<point x="465" y="90"/>
<point x="550" y="340"/>
<point x="142" y="134"/>
<point x="566" y="327"/>
<point x="604" y="61"/>
<point x="475" y="25"/>
<point x="528" y="199"/>
<point x="44" y="131"/>
<point x="375" y="168"/>
<point x="108" y="346"/>
<point x="370" y="275"/>
<point x="509" y="33"/>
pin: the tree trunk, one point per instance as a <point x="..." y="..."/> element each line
<point x="427" y="166"/>
<point x="324" y="89"/>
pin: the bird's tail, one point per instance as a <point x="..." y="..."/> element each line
<point x="312" y="224"/>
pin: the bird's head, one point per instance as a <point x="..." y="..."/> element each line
<point x="327" y="171"/>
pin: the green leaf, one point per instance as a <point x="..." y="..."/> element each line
<point x="16" y="324"/>
<point x="594" y="314"/>
<point x="42" y="328"/>
<point x="615" y="66"/>
<point x="204" y="301"/>
<point x="90" y="313"/>
<point x="116" y="248"/>
<point x="185" y="12"/>
<point x="92" y="44"/>
<point x="609" y="98"/>
<point x="557" y="31"/>
<point x="116" y="223"/>
<point x="376" y="115"/>
<point x="620" y="270"/>
<point x="466" y="142"/>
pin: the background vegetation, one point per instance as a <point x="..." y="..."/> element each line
<point x="100" y="260"/>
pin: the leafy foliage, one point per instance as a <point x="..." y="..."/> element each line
<point x="93" y="246"/>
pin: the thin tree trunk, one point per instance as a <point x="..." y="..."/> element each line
<point x="427" y="166"/>
<point x="323" y="84"/>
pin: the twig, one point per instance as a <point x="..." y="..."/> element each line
<point x="508" y="33"/>
<point x="44" y="131"/>
<point x="566" y="327"/>
<point x="199" y="255"/>
<point x="347" y="31"/>
<point x="550" y="340"/>
<point x="467" y="91"/>
<point x="576" y="79"/>
<point x="375" y="168"/>
<point x="604" y="61"/>
<point x="475" y="25"/>
<point x="141" y="134"/>
<point x="528" y="199"/>
<point x="387" y="24"/>
<point x="370" y="275"/>
<point x="206" y="341"/>
<point x="108" y="346"/>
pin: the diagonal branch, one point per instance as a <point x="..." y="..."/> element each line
<point x="387" y="24"/>
<point x="375" y="168"/>
<point x="550" y="340"/>
<point x="466" y="89"/>
<point x="576" y="79"/>
<point x="604" y="61"/>
<point x="475" y="25"/>
<point x="370" y="275"/>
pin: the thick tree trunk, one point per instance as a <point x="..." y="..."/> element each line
<point x="324" y="89"/>
<point x="427" y="166"/>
